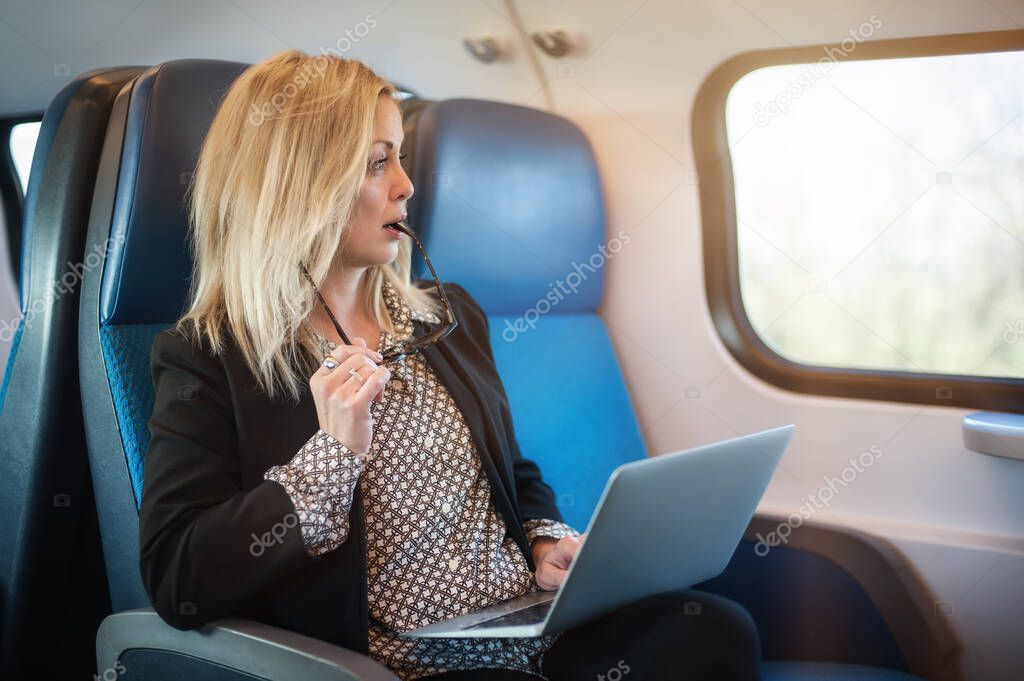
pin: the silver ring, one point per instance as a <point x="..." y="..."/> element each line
<point x="330" y="363"/>
<point x="355" y="374"/>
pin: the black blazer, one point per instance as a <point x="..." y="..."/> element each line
<point x="214" y="434"/>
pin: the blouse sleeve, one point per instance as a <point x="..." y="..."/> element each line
<point x="321" y="480"/>
<point x="540" y="527"/>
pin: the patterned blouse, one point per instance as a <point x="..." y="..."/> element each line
<point x="436" y="546"/>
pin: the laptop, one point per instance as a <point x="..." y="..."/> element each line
<point x="662" y="524"/>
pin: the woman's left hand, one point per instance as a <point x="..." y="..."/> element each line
<point x="552" y="558"/>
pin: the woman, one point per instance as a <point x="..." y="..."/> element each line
<point x="299" y="480"/>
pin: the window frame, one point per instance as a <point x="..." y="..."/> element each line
<point x="11" y="194"/>
<point x="721" y="255"/>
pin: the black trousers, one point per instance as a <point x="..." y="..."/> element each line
<point x="675" y="636"/>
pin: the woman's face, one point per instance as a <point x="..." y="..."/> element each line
<point x="382" y="195"/>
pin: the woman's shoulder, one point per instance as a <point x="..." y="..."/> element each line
<point x="460" y="298"/>
<point x="185" y="342"/>
<point x="185" y="364"/>
<point x="474" y="326"/>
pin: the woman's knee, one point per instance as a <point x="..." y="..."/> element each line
<point x="666" y="636"/>
<point x="709" y="636"/>
<point x="716" y="619"/>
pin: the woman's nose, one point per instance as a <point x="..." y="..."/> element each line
<point x="405" y="188"/>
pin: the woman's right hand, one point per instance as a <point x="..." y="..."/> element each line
<point x="343" y="401"/>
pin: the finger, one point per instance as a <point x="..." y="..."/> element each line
<point x="361" y="342"/>
<point x="358" y="361"/>
<point x="553" y="575"/>
<point x="357" y="388"/>
<point x="359" y="348"/>
<point x="364" y="367"/>
<point x="341" y="375"/>
<point x="374" y="384"/>
<point x="342" y="352"/>
<point x="355" y="361"/>
<point x="379" y="397"/>
<point x="564" y="551"/>
<point x="369" y="389"/>
<point x="352" y="385"/>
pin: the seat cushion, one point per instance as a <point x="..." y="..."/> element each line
<point x="829" y="671"/>
<point x="126" y="350"/>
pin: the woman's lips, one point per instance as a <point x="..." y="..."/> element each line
<point x="392" y="232"/>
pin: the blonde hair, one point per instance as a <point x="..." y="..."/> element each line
<point x="274" y="188"/>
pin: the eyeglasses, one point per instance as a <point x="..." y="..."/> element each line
<point x="414" y="345"/>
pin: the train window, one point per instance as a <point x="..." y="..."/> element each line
<point x="881" y="218"/>
<point x="863" y="219"/>
<point x="22" y="145"/>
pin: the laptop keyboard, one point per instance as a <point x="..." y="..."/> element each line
<point x="533" y="614"/>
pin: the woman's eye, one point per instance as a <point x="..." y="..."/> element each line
<point x="378" y="164"/>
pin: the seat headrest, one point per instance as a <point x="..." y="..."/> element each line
<point x="48" y="127"/>
<point x="145" y="279"/>
<point x="508" y="203"/>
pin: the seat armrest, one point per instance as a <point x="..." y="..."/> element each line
<point x="236" y="644"/>
<point x="927" y="640"/>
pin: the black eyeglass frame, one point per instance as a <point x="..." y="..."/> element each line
<point x="416" y="344"/>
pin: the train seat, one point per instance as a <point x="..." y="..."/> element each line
<point x="509" y="204"/>
<point x="49" y="544"/>
<point x="156" y="130"/>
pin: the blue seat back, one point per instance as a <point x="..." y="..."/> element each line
<point x="509" y="204"/>
<point x="139" y="221"/>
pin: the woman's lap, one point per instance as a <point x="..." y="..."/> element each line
<point x="675" y="635"/>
